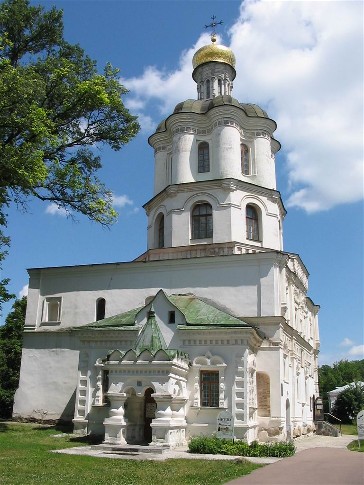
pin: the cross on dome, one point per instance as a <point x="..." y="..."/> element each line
<point x="212" y="25"/>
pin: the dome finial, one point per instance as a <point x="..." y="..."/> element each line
<point x="212" y="26"/>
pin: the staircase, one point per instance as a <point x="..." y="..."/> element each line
<point x="131" y="449"/>
<point x="326" y="429"/>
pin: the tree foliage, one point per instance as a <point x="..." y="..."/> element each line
<point x="54" y="107"/>
<point x="349" y="403"/>
<point x="339" y="374"/>
<point x="10" y="355"/>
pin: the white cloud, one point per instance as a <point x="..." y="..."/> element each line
<point x="346" y="342"/>
<point x="54" y="210"/>
<point x="24" y="291"/>
<point x="357" y="350"/>
<point x="121" y="201"/>
<point x="302" y="61"/>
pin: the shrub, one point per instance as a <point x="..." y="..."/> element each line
<point x="214" y="446"/>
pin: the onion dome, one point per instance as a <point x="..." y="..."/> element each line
<point x="213" y="53"/>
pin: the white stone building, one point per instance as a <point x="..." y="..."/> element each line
<point x="214" y="316"/>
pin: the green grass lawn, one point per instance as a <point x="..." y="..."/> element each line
<point x="25" y="459"/>
<point x="349" y="429"/>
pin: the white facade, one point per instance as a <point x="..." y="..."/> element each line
<point x="214" y="316"/>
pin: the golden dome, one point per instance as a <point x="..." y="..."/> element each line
<point x="213" y="53"/>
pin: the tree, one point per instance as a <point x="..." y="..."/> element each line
<point x="339" y="374"/>
<point x="11" y="337"/>
<point x="55" y="106"/>
<point x="349" y="403"/>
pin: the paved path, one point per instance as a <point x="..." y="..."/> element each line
<point x="314" y="466"/>
<point x="320" y="460"/>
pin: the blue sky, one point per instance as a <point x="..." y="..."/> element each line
<point x="303" y="63"/>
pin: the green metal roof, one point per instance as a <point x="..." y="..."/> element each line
<point x="204" y="105"/>
<point x="195" y="311"/>
<point x="121" y="320"/>
<point x="150" y="338"/>
<point x="198" y="312"/>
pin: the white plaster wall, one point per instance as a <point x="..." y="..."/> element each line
<point x="243" y="284"/>
<point x="264" y="164"/>
<point x="226" y="147"/>
<point x="182" y="154"/>
<point x="160" y="171"/>
<point x="224" y="128"/>
<point x="229" y="209"/>
<point x="48" y="376"/>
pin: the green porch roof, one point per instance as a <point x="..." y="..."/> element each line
<point x="198" y="312"/>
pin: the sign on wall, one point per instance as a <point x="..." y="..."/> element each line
<point x="225" y="426"/>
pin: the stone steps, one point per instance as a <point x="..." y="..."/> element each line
<point x="131" y="449"/>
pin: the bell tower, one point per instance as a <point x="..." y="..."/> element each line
<point x="214" y="180"/>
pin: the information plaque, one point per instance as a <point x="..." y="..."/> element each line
<point x="225" y="426"/>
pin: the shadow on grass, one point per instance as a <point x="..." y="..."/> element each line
<point x="68" y="429"/>
<point x="87" y="440"/>
<point x="61" y="427"/>
<point x="3" y="427"/>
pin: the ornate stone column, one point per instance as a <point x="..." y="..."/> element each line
<point x="161" y="424"/>
<point x="169" y="425"/>
<point x="115" y="424"/>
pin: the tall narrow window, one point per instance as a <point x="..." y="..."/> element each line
<point x="52" y="309"/>
<point x="252" y="223"/>
<point x="161" y="232"/>
<point x="203" y="157"/>
<point x="219" y="86"/>
<point x="208" y="89"/>
<point x="100" y="309"/>
<point x="209" y="381"/>
<point x="245" y="165"/>
<point x="202" y="221"/>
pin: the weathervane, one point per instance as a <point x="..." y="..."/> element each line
<point x="212" y="26"/>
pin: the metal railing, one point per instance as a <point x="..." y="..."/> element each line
<point x="334" y="417"/>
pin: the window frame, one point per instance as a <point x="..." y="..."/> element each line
<point x="208" y="89"/>
<point x="245" y="159"/>
<point x="202" y="223"/>
<point x="160" y="232"/>
<point x="47" y="302"/>
<point x="252" y="224"/>
<point x="203" y="157"/>
<point x="212" y="398"/>
<point x="99" y="310"/>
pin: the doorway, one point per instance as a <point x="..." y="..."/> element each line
<point x="150" y="407"/>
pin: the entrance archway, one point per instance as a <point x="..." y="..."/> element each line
<point x="139" y="414"/>
<point x="150" y="407"/>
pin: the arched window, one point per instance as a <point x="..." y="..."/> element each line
<point x="252" y="223"/>
<point x="245" y="165"/>
<point x="100" y="309"/>
<point x="202" y="221"/>
<point x="203" y="157"/>
<point x="208" y="89"/>
<point x="219" y="86"/>
<point x="161" y="231"/>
